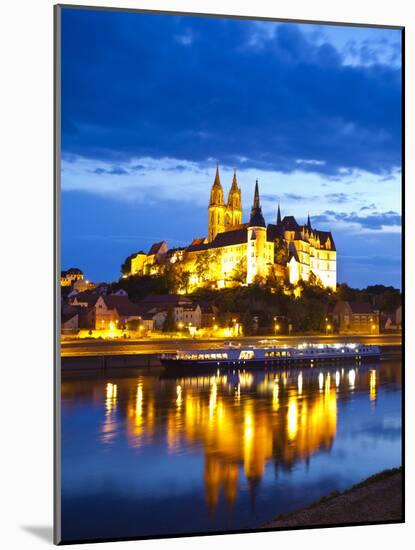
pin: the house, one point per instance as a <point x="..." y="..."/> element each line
<point x="85" y="316"/>
<point x="185" y="312"/>
<point x="70" y="323"/>
<point x="398" y="317"/>
<point x="388" y="321"/>
<point x="209" y="315"/>
<point x="356" y="317"/>
<point x="114" y="309"/>
<point x="120" y="292"/>
<point x="192" y="315"/>
<point x="83" y="299"/>
<point x="107" y="310"/>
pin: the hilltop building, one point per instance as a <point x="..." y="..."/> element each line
<point x="240" y="253"/>
<point x="70" y="276"/>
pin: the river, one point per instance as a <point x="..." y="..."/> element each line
<point x="144" y="455"/>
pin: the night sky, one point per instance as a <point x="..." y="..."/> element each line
<point x="151" y="102"/>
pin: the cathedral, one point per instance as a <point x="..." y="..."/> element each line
<point x="240" y="253"/>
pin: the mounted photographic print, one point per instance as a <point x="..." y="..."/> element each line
<point x="229" y="298"/>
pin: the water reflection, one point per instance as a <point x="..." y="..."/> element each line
<point x="238" y="423"/>
<point x="241" y="421"/>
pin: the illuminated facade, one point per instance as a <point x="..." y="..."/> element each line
<point x="240" y="253"/>
<point x="70" y="276"/>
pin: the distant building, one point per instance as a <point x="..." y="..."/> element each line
<point x="108" y="310"/>
<point x="80" y="285"/>
<point x="71" y="275"/>
<point x="209" y="315"/>
<point x="356" y="317"/>
<point x="70" y="323"/>
<point x="184" y="311"/>
<point x="238" y="253"/>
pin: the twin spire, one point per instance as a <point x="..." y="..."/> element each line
<point x="217" y="190"/>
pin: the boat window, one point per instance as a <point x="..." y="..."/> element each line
<point x="247" y="354"/>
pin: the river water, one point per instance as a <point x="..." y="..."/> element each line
<point x="147" y="456"/>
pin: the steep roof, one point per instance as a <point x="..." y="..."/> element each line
<point x="86" y="297"/>
<point x="155" y="248"/>
<point x="292" y="251"/>
<point x="274" y="232"/>
<point x="323" y="236"/>
<point x="227" y="238"/>
<point x="361" y="307"/>
<point x="289" y="223"/>
<point x="122" y="304"/>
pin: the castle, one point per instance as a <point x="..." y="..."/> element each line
<point x="240" y="253"/>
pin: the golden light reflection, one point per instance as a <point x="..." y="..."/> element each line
<point x="292" y="418"/>
<point x="240" y="430"/>
<point x="321" y="381"/>
<point x="337" y="379"/>
<point x="327" y="383"/>
<point x="212" y="399"/>
<point x="372" y="385"/>
<point x="300" y="383"/>
<point x="238" y="393"/>
<point x="108" y="431"/>
<point x="275" y="399"/>
<point x="179" y="396"/>
<point x="111" y="399"/>
<point x="352" y="378"/>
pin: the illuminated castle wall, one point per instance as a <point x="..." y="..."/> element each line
<point x="238" y="253"/>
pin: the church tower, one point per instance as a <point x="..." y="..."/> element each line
<point x="217" y="208"/>
<point x="257" y="236"/>
<point x="233" y="214"/>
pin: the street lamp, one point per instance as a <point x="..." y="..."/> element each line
<point x="328" y="328"/>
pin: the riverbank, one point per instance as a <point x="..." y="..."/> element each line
<point x="374" y="500"/>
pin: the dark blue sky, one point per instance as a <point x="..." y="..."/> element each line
<point x="150" y="102"/>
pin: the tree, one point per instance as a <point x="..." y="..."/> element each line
<point x="202" y="265"/>
<point x="247" y="323"/>
<point x="280" y="251"/>
<point x="272" y="280"/>
<point x="314" y="280"/>
<point x="239" y="272"/>
<point x="169" y="324"/>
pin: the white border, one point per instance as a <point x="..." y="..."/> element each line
<point x="27" y="236"/>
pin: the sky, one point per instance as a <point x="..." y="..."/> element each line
<point x="151" y="102"/>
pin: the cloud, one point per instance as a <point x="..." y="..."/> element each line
<point x="338" y="198"/>
<point x="289" y="98"/>
<point x="115" y="171"/>
<point x="375" y="221"/>
<point x="186" y="38"/>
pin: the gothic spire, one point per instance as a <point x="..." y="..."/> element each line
<point x="234" y="186"/>
<point x="256" y="196"/>
<point x="308" y="221"/>
<point x="278" y="214"/>
<point x="216" y="193"/>
<point x="257" y="219"/>
<point x="217" y="178"/>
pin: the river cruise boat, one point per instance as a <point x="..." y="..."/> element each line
<point x="238" y="356"/>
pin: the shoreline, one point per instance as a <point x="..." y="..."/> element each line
<point x="377" y="499"/>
